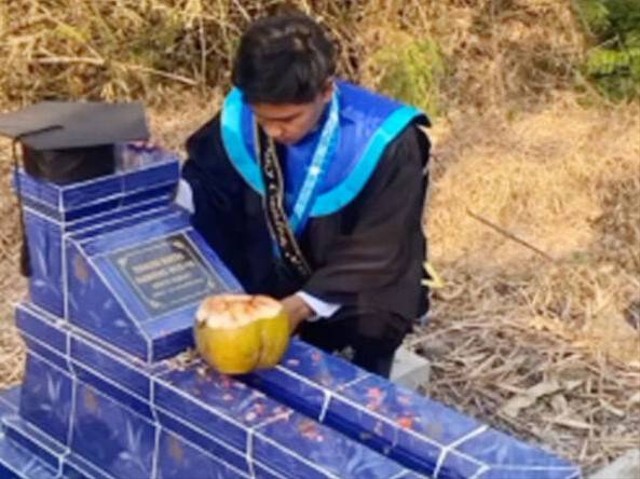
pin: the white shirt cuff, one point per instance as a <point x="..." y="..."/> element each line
<point x="184" y="196"/>
<point x="322" y="309"/>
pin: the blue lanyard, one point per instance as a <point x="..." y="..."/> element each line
<point x="316" y="171"/>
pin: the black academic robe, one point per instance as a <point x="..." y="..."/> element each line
<point x="369" y="255"/>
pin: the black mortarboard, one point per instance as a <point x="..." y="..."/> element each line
<point x="65" y="142"/>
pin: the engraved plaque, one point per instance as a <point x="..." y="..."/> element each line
<point x="167" y="274"/>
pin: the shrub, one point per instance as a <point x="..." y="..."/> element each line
<point x="613" y="62"/>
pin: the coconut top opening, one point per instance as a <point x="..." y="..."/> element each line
<point x="228" y="311"/>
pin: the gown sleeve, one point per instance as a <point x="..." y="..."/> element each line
<point x="216" y="194"/>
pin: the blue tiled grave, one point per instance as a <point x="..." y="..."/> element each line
<point x="118" y="272"/>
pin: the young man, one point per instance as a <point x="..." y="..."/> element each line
<point x="311" y="190"/>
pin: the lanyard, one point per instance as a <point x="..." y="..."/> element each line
<point x="324" y="151"/>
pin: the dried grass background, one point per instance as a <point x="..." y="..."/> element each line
<point x="541" y="340"/>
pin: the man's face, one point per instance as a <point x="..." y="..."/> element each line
<point x="288" y="123"/>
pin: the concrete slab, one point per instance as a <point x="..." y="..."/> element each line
<point x="626" y="466"/>
<point x="409" y="369"/>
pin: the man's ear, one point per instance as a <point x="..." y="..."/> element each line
<point x="327" y="90"/>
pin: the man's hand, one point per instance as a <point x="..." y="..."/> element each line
<point x="297" y="311"/>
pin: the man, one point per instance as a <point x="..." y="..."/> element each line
<point x="311" y="190"/>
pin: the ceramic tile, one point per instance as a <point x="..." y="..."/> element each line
<point x="39" y="190"/>
<point x="113" y="391"/>
<point x="46" y="258"/>
<point x="162" y="173"/>
<point x="286" y="461"/>
<point x="200" y="435"/>
<point x="373" y="430"/>
<point x="44" y="351"/>
<point x="124" y="219"/>
<point x="410" y="411"/>
<point x="115" y="216"/>
<point x="165" y="192"/>
<point x="152" y="181"/>
<point x="114" y="205"/>
<point x="76" y="467"/>
<point x="263" y="472"/>
<point x="179" y="460"/>
<point x="531" y="473"/>
<point x="298" y="443"/>
<point x="117" y="369"/>
<point x="37" y="443"/>
<point x="164" y="274"/>
<point x="18" y="463"/>
<point x="46" y="397"/>
<point x="326" y="370"/>
<point x="300" y="395"/>
<point x="162" y="194"/>
<point x="172" y="333"/>
<point x="497" y="449"/>
<point x="160" y="283"/>
<point x="457" y="466"/>
<point x="305" y="378"/>
<point x="77" y="195"/>
<point x="408" y="474"/>
<point x="45" y="328"/>
<point x="111" y="436"/>
<point x="42" y="209"/>
<point x="93" y="307"/>
<point x="87" y="211"/>
<point x="9" y="400"/>
<point x="229" y="408"/>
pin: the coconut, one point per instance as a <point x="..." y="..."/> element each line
<point x="236" y="333"/>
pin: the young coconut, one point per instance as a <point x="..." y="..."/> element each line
<point x="236" y="333"/>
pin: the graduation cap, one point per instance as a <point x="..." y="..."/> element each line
<point x="66" y="142"/>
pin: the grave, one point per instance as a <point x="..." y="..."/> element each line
<point x="117" y="274"/>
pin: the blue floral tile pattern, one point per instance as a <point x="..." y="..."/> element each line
<point x="298" y="443"/>
<point x="228" y="408"/>
<point x="46" y="397"/>
<point x="46" y="259"/>
<point x="18" y="463"/>
<point x="93" y="307"/>
<point x="114" y="438"/>
<point x="416" y="431"/>
<point x="179" y="459"/>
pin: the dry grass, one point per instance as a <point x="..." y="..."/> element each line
<point x="556" y="192"/>
<point x="11" y="284"/>
<point x="547" y="348"/>
<point x="496" y="52"/>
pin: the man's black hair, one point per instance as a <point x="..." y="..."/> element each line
<point x="285" y="58"/>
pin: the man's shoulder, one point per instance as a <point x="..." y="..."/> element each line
<point x="206" y="133"/>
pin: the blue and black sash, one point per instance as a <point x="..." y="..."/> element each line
<point x="288" y="249"/>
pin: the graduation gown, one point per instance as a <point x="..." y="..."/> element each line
<point x="365" y="246"/>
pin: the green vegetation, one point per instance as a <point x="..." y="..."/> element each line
<point x="411" y="70"/>
<point x="613" y="62"/>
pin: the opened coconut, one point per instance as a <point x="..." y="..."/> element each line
<point x="236" y="334"/>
